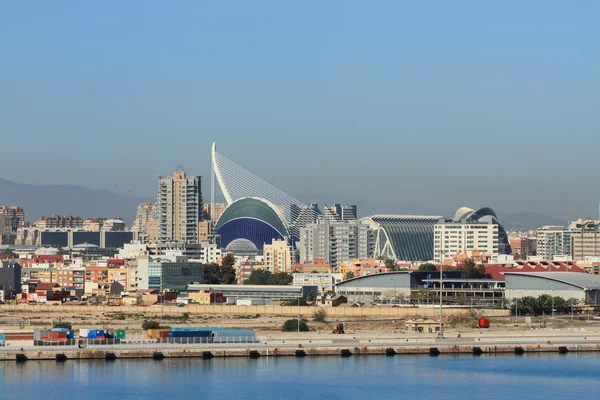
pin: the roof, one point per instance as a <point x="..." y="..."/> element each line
<point x="46" y="286"/>
<point x="579" y="279"/>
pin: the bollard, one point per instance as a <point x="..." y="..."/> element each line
<point x="300" y="353"/>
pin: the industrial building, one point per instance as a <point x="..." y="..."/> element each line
<point x="415" y="285"/>
<point x="581" y="286"/>
<point x="256" y="292"/>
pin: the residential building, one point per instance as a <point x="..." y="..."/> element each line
<point x="470" y="232"/>
<point x="204" y="230"/>
<point x="59" y="221"/>
<point x="585" y="239"/>
<point x="143" y="215"/>
<point x="553" y="241"/>
<point x="93" y="224"/>
<point x="113" y="225"/>
<point x="219" y="208"/>
<point x="335" y="242"/>
<point x="523" y="245"/>
<point x="339" y="213"/>
<point x="71" y="277"/>
<point x="278" y="256"/>
<point x="14" y="217"/>
<point x="178" y="207"/>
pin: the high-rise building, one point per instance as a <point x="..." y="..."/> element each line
<point x="178" y="207"/>
<point x="522" y="245"/>
<point x="218" y="211"/>
<point x="470" y="232"/>
<point x="278" y="256"/>
<point x="93" y="224"/>
<point x="337" y="213"/>
<point x="14" y="217"/>
<point x="143" y="214"/>
<point x="335" y="242"/>
<point x="585" y="239"/>
<point x="553" y="241"/>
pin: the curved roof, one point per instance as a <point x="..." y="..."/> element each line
<point x="462" y="212"/>
<point x="409" y="237"/>
<point x="577" y="279"/>
<point x="254" y="208"/>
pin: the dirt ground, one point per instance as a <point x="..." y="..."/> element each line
<point x="271" y="325"/>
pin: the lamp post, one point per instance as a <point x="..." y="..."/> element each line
<point x="441" y="288"/>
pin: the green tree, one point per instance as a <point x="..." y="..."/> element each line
<point x="62" y="324"/>
<point x="516" y="255"/>
<point x="391" y="264"/>
<point x="258" y="277"/>
<point x="349" y="275"/>
<point x="211" y="274"/>
<point x="427" y="267"/>
<point x="150" y="325"/>
<point x="280" y="278"/>
<point x="473" y="271"/>
<point x="291" y="325"/>
<point x="314" y="271"/>
<point x="226" y="270"/>
<point x="8" y="254"/>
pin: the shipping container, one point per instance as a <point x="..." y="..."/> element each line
<point x="121" y="334"/>
<point x="155" y="333"/>
<point x="189" y="334"/>
<point x="60" y="330"/>
<point x="83" y="333"/>
<point x="99" y="333"/>
<point x="91" y="334"/>
<point x="70" y="335"/>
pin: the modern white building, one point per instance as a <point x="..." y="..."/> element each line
<point x="451" y="238"/>
<point x="335" y="242"/>
<point x="553" y="241"/>
<point x="325" y="282"/>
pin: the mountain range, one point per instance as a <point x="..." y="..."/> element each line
<point x="46" y="200"/>
<point x="40" y="200"/>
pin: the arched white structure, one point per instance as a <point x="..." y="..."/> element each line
<point x="237" y="183"/>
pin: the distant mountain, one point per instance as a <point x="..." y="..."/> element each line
<point x="527" y="221"/>
<point x="68" y="200"/>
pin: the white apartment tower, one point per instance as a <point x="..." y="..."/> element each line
<point x="178" y="207"/>
<point x="451" y="238"/>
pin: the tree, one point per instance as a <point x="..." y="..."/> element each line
<point x="150" y="325"/>
<point x="8" y="254"/>
<point x="211" y="274"/>
<point x="291" y="325"/>
<point x="427" y="267"/>
<point x="280" y="278"/>
<point x="349" y="275"/>
<point x="62" y="324"/>
<point x="262" y="277"/>
<point x="314" y="271"/>
<point x="226" y="270"/>
<point x="391" y="264"/>
<point x="320" y="315"/>
<point x="473" y="271"/>
<point x="516" y="255"/>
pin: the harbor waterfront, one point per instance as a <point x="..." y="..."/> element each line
<point x="538" y="376"/>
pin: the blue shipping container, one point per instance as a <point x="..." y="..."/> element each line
<point x="99" y="333"/>
<point x="60" y="330"/>
<point x="91" y="335"/>
<point x="189" y="334"/>
<point x="70" y="335"/>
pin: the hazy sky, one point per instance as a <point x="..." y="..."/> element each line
<point x="388" y="103"/>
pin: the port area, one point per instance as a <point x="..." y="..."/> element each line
<point x="290" y="346"/>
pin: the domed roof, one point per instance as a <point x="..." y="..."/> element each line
<point x="241" y="245"/>
<point x="254" y="208"/>
<point x="46" y="251"/>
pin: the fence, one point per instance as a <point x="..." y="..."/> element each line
<point x="290" y="311"/>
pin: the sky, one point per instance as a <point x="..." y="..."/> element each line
<point x="394" y="105"/>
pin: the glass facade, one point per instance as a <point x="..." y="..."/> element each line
<point x="173" y="275"/>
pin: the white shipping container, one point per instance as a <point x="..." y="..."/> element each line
<point x="84" y="332"/>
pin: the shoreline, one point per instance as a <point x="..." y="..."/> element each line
<point x="258" y="350"/>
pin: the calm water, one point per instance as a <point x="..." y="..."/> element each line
<point x="374" y="377"/>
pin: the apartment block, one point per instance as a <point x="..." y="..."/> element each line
<point x="464" y="238"/>
<point x="278" y="256"/>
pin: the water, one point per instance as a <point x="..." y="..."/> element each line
<point x="539" y="376"/>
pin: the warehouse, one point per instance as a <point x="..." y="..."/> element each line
<point x="578" y="285"/>
<point x="258" y="292"/>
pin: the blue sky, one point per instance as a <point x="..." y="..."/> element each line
<point x="389" y="103"/>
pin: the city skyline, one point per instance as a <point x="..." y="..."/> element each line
<point x="447" y="105"/>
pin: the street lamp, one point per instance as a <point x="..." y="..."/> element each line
<point x="441" y="293"/>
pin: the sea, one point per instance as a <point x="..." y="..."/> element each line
<point x="531" y="376"/>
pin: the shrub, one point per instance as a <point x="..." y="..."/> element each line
<point x="291" y="325"/>
<point x="62" y="324"/>
<point x="320" y="315"/>
<point x="150" y="325"/>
